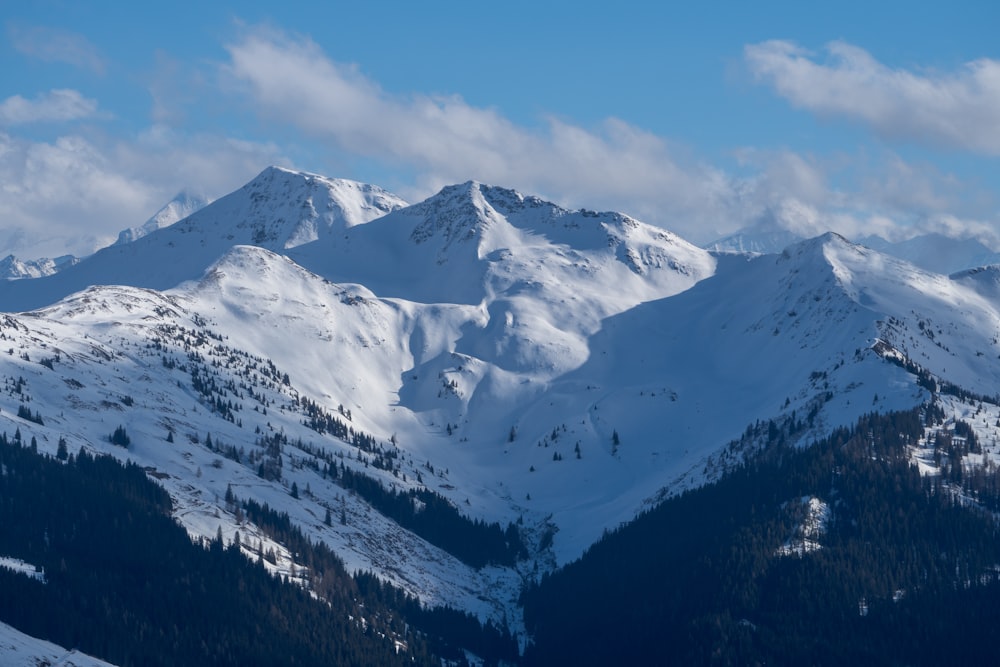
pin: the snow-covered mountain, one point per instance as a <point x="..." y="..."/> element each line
<point x="178" y="208"/>
<point x="557" y="370"/>
<point x="181" y="206"/>
<point x="278" y="209"/>
<point x="12" y="268"/>
<point x="932" y="252"/>
<point x="754" y="241"/>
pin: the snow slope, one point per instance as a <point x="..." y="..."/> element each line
<point x="559" y="369"/>
<point x="20" y="650"/>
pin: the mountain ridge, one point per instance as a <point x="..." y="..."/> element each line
<point x="555" y="370"/>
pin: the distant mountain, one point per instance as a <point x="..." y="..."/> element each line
<point x="178" y="208"/>
<point x="985" y="280"/>
<point x="12" y="268"/>
<point x="937" y="252"/>
<point x="933" y="252"/>
<point x="755" y="242"/>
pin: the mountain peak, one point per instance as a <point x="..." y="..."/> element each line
<point x="285" y="208"/>
<point x="819" y="244"/>
<point x="181" y="206"/>
<point x="456" y="213"/>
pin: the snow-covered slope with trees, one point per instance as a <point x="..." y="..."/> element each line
<point x="542" y="368"/>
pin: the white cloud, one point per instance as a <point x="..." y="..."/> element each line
<point x="616" y="165"/>
<point x="56" y="45"/>
<point x="858" y="196"/>
<point x="952" y="109"/>
<point x="55" y="106"/>
<point x="446" y="140"/>
<point x="74" y="194"/>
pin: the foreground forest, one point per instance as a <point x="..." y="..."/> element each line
<point x="124" y="582"/>
<point x="905" y="570"/>
<point x="838" y="552"/>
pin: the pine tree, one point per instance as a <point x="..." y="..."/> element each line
<point x="120" y="437"/>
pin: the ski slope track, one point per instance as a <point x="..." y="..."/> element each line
<point x="553" y="368"/>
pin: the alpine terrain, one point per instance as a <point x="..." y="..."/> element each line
<point x="464" y="403"/>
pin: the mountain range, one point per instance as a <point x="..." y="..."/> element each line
<point x="556" y="371"/>
<point x="933" y="252"/>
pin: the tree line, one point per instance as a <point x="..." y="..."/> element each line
<point x="906" y="574"/>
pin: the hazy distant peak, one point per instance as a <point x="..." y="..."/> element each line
<point x="178" y="208"/>
<point x="12" y="268"/>
<point x="755" y="242"/>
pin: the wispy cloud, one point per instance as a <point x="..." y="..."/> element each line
<point x="956" y="109"/>
<point x="77" y="188"/>
<point x="54" y="106"/>
<point x="445" y="139"/>
<point x="614" y="165"/>
<point x="74" y="194"/>
<point x="858" y="195"/>
<point x="56" y="45"/>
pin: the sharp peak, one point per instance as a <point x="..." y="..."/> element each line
<point x="820" y="242"/>
<point x="278" y="173"/>
<point x="473" y="188"/>
<point x="823" y="248"/>
<point x="834" y="237"/>
<point x="505" y="199"/>
<point x="277" y="170"/>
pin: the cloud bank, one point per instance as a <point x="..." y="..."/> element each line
<point x="956" y="109"/>
<point x="74" y="194"/>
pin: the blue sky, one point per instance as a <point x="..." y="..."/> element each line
<point x="703" y="117"/>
